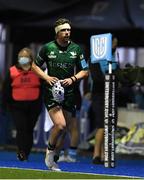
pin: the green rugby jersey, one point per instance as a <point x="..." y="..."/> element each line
<point x="61" y="61"/>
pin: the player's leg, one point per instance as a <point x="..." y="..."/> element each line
<point x="74" y="127"/>
<point x="74" y="132"/>
<point x="98" y="148"/>
<point x="74" y="137"/>
<point x="58" y="119"/>
<point x="68" y="109"/>
<point x="98" y="110"/>
<point x="70" y="142"/>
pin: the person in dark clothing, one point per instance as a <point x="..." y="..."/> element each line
<point x="98" y="71"/>
<point x="22" y="98"/>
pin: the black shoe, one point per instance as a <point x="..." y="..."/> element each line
<point x="97" y="160"/>
<point x="22" y="156"/>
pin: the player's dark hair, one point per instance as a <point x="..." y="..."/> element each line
<point x="61" y="21"/>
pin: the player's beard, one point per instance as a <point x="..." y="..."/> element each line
<point x="64" y="41"/>
<point x="67" y="38"/>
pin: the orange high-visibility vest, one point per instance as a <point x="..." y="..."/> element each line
<point x="25" y="84"/>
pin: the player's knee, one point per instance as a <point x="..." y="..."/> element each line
<point x="61" y="126"/>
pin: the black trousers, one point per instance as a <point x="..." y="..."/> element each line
<point x="25" y="115"/>
<point x="97" y="106"/>
<point x="98" y="109"/>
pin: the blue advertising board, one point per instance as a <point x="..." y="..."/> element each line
<point x="101" y="47"/>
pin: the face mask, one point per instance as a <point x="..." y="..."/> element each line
<point x="24" y="60"/>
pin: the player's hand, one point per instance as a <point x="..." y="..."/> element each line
<point x="51" y="80"/>
<point x="66" y="82"/>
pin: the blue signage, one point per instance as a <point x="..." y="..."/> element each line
<point x="101" y="47"/>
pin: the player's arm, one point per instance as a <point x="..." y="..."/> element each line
<point x="49" y="79"/>
<point x="82" y="67"/>
<point x="80" y="75"/>
<point x="83" y="70"/>
<point x="37" y="63"/>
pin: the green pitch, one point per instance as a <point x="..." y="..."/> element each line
<point x="11" y="173"/>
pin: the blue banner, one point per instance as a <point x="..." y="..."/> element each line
<point x="101" y="47"/>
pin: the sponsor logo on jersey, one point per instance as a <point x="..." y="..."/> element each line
<point x="81" y="56"/>
<point x="52" y="55"/>
<point x="61" y="51"/>
<point x="73" y="55"/>
<point x="84" y="64"/>
<point x="60" y="65"/>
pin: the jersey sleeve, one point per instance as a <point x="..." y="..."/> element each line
<point x="81" y="62"/>
<point x="41" y="57"/>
